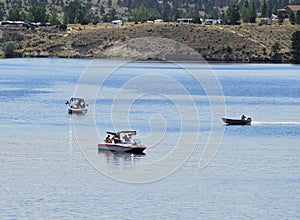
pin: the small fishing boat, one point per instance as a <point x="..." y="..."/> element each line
<point x="122" y="141"/>
<point x="242" y="121"/>
<point x="77" y="106"/>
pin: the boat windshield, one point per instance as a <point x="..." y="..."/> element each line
<point x="77" y="103"/>
<point x="125" y="137"/>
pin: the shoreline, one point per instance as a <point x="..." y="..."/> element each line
<point x="153" y="61"/>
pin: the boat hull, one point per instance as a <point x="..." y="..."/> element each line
<point x="126" y="148"/>
<point x="229" y="121"/>
<point x="77" y="110"/>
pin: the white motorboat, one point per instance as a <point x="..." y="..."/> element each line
<point x="77" y="106"/>
<point x="122" y="141"/>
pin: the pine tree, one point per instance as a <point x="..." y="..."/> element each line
<point x="37" y="14"/>
<point x="140" y="14"/>
<point x="296" y="41"/>
<point x="53" y="18"/>
<point x="233" y="14"/>
<point x="298" y="17"/>
<point x="292" y="18"/>
<point x="246" y="12"/>
<point x="253" y="14"/>
<point x="275" y="9"/>
<point x="264" y="9"/>
<point x="75" y="13"/>
<point x="2" y="11"/>
<point x="14" y="14"/>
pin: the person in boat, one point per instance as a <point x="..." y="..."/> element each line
<point x="107" y="139"/>
<point x="116" y="139"/>
<point x="243" y="117"/>
<point x="126" y="138"/>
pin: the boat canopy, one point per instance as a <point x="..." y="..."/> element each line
<point x="122" y="132"/>
<point x="79" y="99"/>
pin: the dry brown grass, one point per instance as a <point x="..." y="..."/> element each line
<point x="245" y="43"/>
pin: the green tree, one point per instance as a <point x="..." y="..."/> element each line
<point x="296" y="41"/>
<point x="9" y="48"/>
<point x="246" y="12"/>
<point x="280" y="17"/>
<point x="153" y="14"/>
<point x="102" y="9"/>
<point x="140" y="14"/>
<point x="112" y="15"/>
<point x="14" y="14"/>
<point x="264" y="9"/>
<point x="53" y="18"/>
<point x="253" y="14"/>
<point x="37" y="14"/>
<point x="75" y="13"/>
<point x="292" y="18"/>
<point x="298" y="17"/>
<point x="275" y="9"/>
<point x="2" y="11"/>
<point x="233" y="14"/>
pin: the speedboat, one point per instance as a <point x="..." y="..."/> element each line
<point x="122" y="141"/>
<point x="242" y="121"/>
<point x="77" y="106"/>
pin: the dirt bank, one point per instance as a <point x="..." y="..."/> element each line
<point x="245" y="43"/>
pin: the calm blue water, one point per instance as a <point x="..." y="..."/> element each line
<point x="51" y="168"/>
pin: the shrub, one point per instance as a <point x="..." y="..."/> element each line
<point x="63" y="27"/>
<point x="275" y="47"/>
<point x="296" y="41"/>
<point x="9" y="48"/>
<point x="229" y="49"/>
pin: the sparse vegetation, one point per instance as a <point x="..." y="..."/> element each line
<point x="224" y="43"/>
<point x="296" y="41"/>
<point x="9" y="48"/>
<point x="275" y="47"/>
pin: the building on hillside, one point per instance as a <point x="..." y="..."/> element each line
<point x="184" y="20"/>
<point x="158" y="20"/>
<point x="117" y="23"/>
<point x="289" y="8"/>
<point x="212" y="22"/>
<point x="265" y="21"/>
<point x="13" y="23"/>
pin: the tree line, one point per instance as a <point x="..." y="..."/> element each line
<point x="76" y="11"/>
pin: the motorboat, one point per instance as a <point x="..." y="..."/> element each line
<point x="77" y="106"/>
<point x="242" y="121"/>
<point x="122" y="141"/>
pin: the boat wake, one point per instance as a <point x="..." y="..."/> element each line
<point x="275" y="122"/>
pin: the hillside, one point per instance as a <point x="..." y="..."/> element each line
<point x="245" y="43"/>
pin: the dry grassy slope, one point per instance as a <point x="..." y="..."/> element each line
<point x="214" y="43"/>
<point x="209" y="41"/>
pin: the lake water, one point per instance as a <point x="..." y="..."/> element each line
<point x="195" y="167"/>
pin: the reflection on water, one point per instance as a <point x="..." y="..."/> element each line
<point x="119" y="158"/>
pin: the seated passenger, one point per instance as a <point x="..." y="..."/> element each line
<point x="107" y="139"/>
<point x="116" y="139"/>
<point x="126" y="139"/>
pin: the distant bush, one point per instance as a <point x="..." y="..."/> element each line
<point x="275" y="48"/>
<point x="296" y="41"/>
<point x="229" y="49"/>
<point x="9" y="48"/>
<point x="63" y="27"/>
